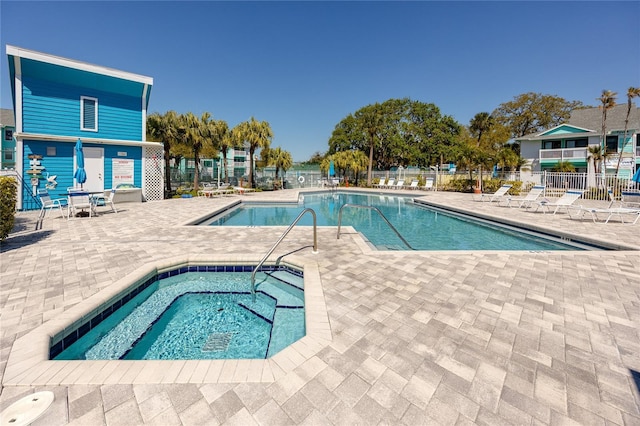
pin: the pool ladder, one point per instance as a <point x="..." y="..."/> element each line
<point x="362" y="206"/>
<point x="284" y="234"/>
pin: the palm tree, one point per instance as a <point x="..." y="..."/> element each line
<point x="253" y="134"/>
<point x="372" y="125"/>
<point x="608" y="101"/>
<point x="225" y="143"/>
<point x="215" y="132"/>
<point x="281" y="159"/>
<point x="193" y="131"/>
<point x="595" y="153"/>
<point x="479" y="125"/>
<point x="564" y="166"/>
<point x="164" y="128"/>
<point x="357" y="163"/>
<point x="508" y="158"/>
<point x="632" y="92"/>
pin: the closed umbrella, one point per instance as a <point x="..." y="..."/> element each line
<point x="80" y="175"/>
<point x="636" y="176"/>
<point x="591" y="173"/>
<point x="332" y="171"/>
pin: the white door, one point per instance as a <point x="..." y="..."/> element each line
<point x="94" y="166"/>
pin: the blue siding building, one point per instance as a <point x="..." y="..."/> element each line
<point x="58" y="101"/>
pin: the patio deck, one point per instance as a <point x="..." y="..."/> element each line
<point x="417" y="337"/>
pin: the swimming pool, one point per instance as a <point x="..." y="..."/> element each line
<point x="200" y="315"/>
<point x="423" y="228"/>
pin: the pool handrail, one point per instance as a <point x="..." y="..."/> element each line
<point x="381" y="215"/>
<point x="284" y="234"/>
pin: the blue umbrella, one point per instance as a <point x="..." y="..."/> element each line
<point x="332" y="171"/>
<point x="80" y="175"/>
<point x="636" y="177"/>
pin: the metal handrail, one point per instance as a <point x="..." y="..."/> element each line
<point x="381" y="215"/>
<point x="284" y="234"/>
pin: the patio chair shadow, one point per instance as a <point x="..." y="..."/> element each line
<point x="636" y="378"/>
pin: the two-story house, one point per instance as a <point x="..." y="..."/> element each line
<point x="570" y="141"/>
<point x="7" y="143"/>
<point x="58" y="101"/>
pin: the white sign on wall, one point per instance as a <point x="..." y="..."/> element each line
<point x="122" y="171"/>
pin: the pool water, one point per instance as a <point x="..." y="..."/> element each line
<point x="201" y="315"/>
<point x="423" y="228"/>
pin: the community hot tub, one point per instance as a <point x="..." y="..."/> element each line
<point x="195" y="312"/>
<point x="35" y="358"/>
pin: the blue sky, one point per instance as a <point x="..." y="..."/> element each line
<point x="303" y="66"/>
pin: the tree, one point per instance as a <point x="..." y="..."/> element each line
<point x="595" y="155"/>
<point x="254" y="135"/>
<point x="194" y="131"/>
<point x="564" y="166"/>
<point x="316" y="158"/>
<point x="632" y="92"/>
<point x="479" y="125"/>
<point x="397" y="132"/>
<point x="212" y="133"/>
<point x="225" y="144"/>
<point x="216" y="133"/>
<point x="357" y="162"/>
<point x="534" y="112"/>
<point x="607" y="100"/>
<point x="164" y="128"/>
<point x="371" y="120"/>
<point x="279" y="158"/>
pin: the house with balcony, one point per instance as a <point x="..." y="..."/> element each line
<point x="570" y="141"/>
<point x="7" y="143"/>
<point x="58" y="101"/>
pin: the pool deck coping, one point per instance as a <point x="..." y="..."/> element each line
<point x="29" y="364"/>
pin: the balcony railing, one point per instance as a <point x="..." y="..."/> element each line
<point x="564" y="154"/>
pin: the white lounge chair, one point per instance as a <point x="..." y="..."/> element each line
<point x="630" y="199"/>
<point x="381" y="183"/>
<point x="567" y="199"/>
<point x="414" y="184"/>
<point x="242" y="190"/>
<point x="496" y="196"/>
<point x="533" y="195"/>
<point x="390" y="183"/>
<point x="596" y="213"/>
<point x="428" y="184"/>
<point x="399" y="184"/>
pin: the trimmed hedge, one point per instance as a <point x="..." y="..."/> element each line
<point x="8" y="196"/>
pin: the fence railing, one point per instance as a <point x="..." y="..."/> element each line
<point x="595" y="185"/>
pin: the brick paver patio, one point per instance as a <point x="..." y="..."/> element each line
<point x="416" y="337"/>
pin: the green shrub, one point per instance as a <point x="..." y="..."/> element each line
<point x="459" y="185"/>
<point x="596" y="194"/>
<point x="490" y="186"/>
<point x="8" y="196"/>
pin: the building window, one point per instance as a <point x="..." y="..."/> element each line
<point x="557" y="144"/>
<point x="88" y="114"/>
<point x="8" y="134"/>
<point x="577" y="143"/>
<point x="8" y="155"/>
<point x="612" y="143"/>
